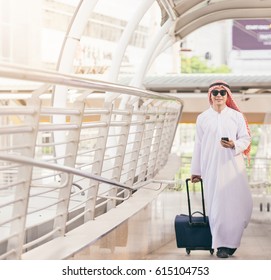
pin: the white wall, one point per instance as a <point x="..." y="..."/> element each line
<point x="20" y="31"/>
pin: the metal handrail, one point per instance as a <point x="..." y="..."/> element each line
<point x="70" y="170"/>
<point x="113" y="148"/>
<point x="53" y="77"/>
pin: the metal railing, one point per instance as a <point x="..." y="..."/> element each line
<point x="259" y="170"/>
<point x="62" y="167"/>
<point x="259" y="177"/>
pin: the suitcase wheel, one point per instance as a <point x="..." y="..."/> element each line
<point x="188" y="251"/>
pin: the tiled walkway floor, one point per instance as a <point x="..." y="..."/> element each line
<point x="150" y="235"/>
<point x="256" y="245"/>
<point x="256" y="242"/>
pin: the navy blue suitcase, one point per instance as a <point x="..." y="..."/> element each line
<point x="193" y="232"/>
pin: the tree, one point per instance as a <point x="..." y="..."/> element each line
<point x="197" y="65"/>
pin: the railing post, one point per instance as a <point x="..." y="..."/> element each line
<point x="147" y="144"/>
<point x="156" y="141"/>
<point x="137" y="132"/>
<point x="98" y="163"/>
<point x="164" y="140"/>
<point x="22" y="190"/>
<point x="70" y="160"/>
<point x="120" y="152"/>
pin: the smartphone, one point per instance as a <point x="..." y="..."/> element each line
<point x="225" y="138"/>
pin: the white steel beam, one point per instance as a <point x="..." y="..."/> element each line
<point x="66" y="58"/>
<point x="125" y="37"/>
<point x="141" y="70"/>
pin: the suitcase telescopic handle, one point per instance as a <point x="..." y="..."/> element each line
<point x="202" y="200"/>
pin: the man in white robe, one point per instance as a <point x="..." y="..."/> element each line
<point x="222" y="167"/>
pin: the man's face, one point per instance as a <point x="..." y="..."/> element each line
<point x="219" y="96"/>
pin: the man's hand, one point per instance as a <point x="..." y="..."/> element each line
<point x="227" y="144"/>
<point x="195" y="178"/>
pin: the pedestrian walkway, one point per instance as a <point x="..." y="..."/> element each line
<point x="149" y="234"/>
<point x="256" y="245"/>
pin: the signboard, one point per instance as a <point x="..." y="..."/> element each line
<point x="251" y="34"/>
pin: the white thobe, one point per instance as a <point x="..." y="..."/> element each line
<point x="227" y="195"/>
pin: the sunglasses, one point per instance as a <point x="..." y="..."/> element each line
<point x="222" y="92"/>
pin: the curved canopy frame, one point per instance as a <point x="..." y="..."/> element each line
<point x="185" y="16"/>
<point x="238" y="9"/>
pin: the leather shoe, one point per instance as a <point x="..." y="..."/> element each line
<point x="222" y="253"/>
<point x="231" y="251"/>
